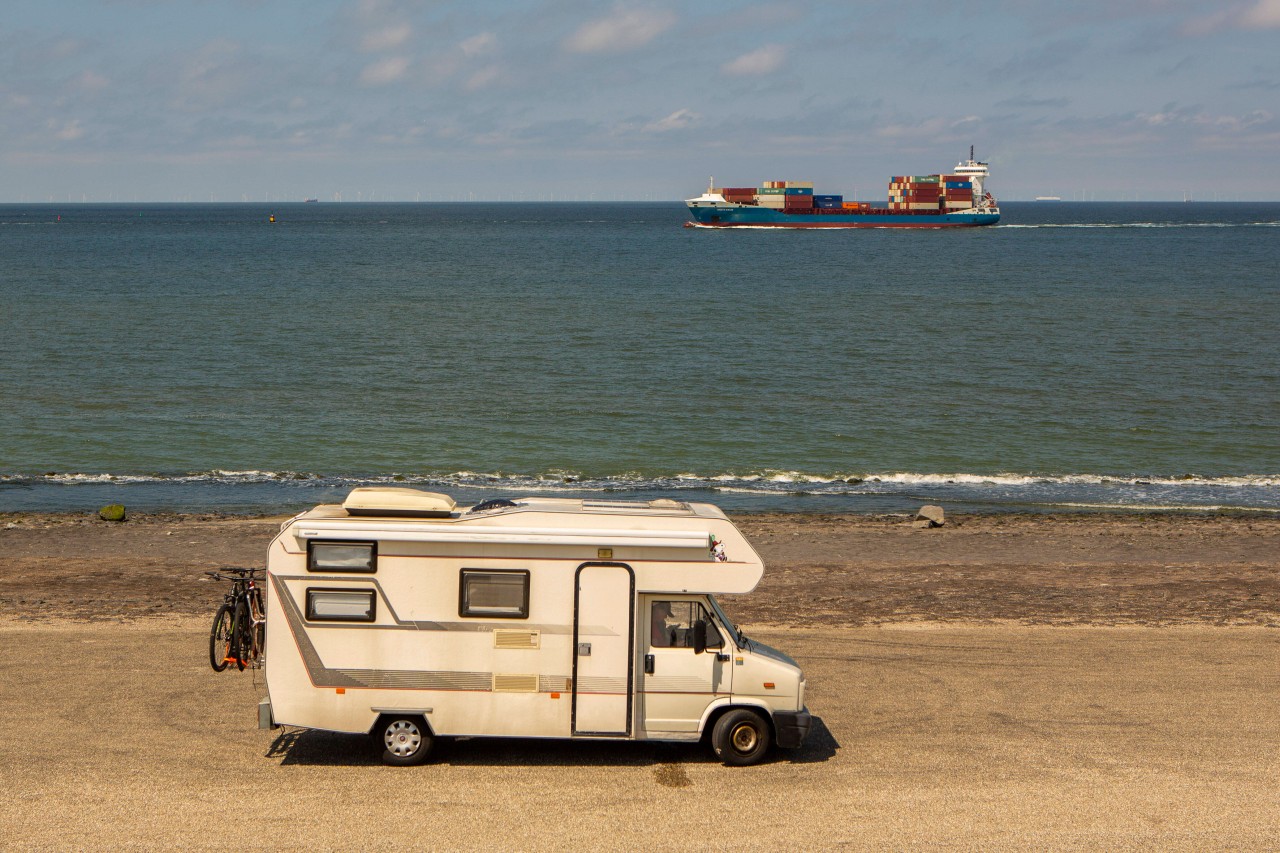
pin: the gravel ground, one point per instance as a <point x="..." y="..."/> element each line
<point x="992" y="737"/>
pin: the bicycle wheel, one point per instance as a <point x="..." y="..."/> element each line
<point x="241" y="641"/>
<point x="220" y="639"/>
<point x="260" y="628"/>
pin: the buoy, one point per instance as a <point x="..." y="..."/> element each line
<point x="271" y="218"/>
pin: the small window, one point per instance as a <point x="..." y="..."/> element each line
<point x="342" y="556"/>
<point x="341" y="605"/>
<point x="499" y="593"/>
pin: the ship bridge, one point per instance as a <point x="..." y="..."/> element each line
<point x="977" y="171"/>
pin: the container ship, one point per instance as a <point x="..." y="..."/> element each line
<point x="915" y="201"/>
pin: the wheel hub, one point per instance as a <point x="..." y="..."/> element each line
<point x="402" y="739"/>
<point x="743" y="738"/>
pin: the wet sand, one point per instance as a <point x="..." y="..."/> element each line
<point x="1083" y="682"/>
<point x="820" y="569"/>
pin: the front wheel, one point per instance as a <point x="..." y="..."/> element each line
<point x="405" y="740"/>
<point x="741" y="737"/>
<point x="220" y="639"/>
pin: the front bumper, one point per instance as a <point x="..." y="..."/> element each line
<point x="791" y="727"/>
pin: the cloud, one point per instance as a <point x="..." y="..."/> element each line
<point x="214" y="75"/>
<point x="386" y="38"/>
<point x="1258" y="15"/>
<point x="66" y="131"/>
<point x="1263" y="15"/>
<point x="625" y="29"/>
<point x="478" y="44"/>
<point x="1022" y="102"/>
<point x="384" y="71"/>
<point x="91" y="81"/>
<point x="483" y="78"/>
<point x="765" y="60"/>
<point x="678" y="120"/>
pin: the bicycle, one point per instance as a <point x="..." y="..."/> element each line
<point x="239" y="632"/>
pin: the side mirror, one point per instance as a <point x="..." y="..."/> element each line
<point x="699" y="636"/>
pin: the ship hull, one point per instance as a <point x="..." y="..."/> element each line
<point x="750" y="216"/>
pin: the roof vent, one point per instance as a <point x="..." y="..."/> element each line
<point x="398" y="502"/>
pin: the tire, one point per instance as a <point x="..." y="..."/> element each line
<point x="220" y="638"/>
<point x="260" y="629"/>
<point x="405" y="740"/>
<point x="259" y="640"/>
<point x="741" y="737"/>
<point x="241" y="642"/>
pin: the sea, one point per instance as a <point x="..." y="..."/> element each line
<point x="1077" y="357"/>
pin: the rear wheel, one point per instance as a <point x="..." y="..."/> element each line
<point x="241" y="637"/>
<point x="405" y="740"/>
<point x="741" y="737"/>
<point x="220" y="639"/>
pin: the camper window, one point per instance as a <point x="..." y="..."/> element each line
<point x="342" y="556"/>
<point x="341" y="605"/>
<point x="501" y="593"/>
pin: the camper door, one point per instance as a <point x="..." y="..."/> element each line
<point x="603" y="630"/>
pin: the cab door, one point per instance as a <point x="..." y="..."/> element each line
<point x="676" y="684"/>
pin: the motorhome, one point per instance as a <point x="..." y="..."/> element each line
<point x="400" y="614"/>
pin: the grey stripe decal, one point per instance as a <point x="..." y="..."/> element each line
<point x="402" y="679"/>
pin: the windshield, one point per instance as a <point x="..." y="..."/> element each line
<point x="725" y="620"/>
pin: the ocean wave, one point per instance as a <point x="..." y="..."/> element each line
<point x="571" y="480"/>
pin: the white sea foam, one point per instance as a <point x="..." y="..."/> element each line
<point x="637" y="479"/>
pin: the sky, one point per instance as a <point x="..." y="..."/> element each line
<point x="360" y="100"/>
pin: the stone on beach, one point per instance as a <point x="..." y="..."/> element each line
<point x="112" y="512"/>
<point x="930" y="516"/>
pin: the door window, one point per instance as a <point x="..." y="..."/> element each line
<point x="671" y="623"/>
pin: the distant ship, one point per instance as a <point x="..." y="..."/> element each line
<point x="915" y="201"/>
<point x="1048" y="198"/>
<point x="309" y="200"/>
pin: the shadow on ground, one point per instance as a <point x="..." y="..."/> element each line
<point x="318" y="748"/>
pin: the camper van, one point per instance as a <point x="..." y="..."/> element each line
<point x="400" y="614"/>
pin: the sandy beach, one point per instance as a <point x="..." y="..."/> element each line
<point x="1065" y="682"/>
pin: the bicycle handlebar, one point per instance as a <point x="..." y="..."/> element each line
<point x="233" y="573"/>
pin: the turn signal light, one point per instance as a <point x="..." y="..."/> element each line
<point x="768" y="685"/>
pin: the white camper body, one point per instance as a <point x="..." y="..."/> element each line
<point x="400" y="614"/>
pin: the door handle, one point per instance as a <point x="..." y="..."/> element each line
<point x="648" y="664"/>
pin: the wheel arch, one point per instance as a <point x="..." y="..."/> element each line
<point x="382" y="715"/>
<point x="719" y="708"/>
